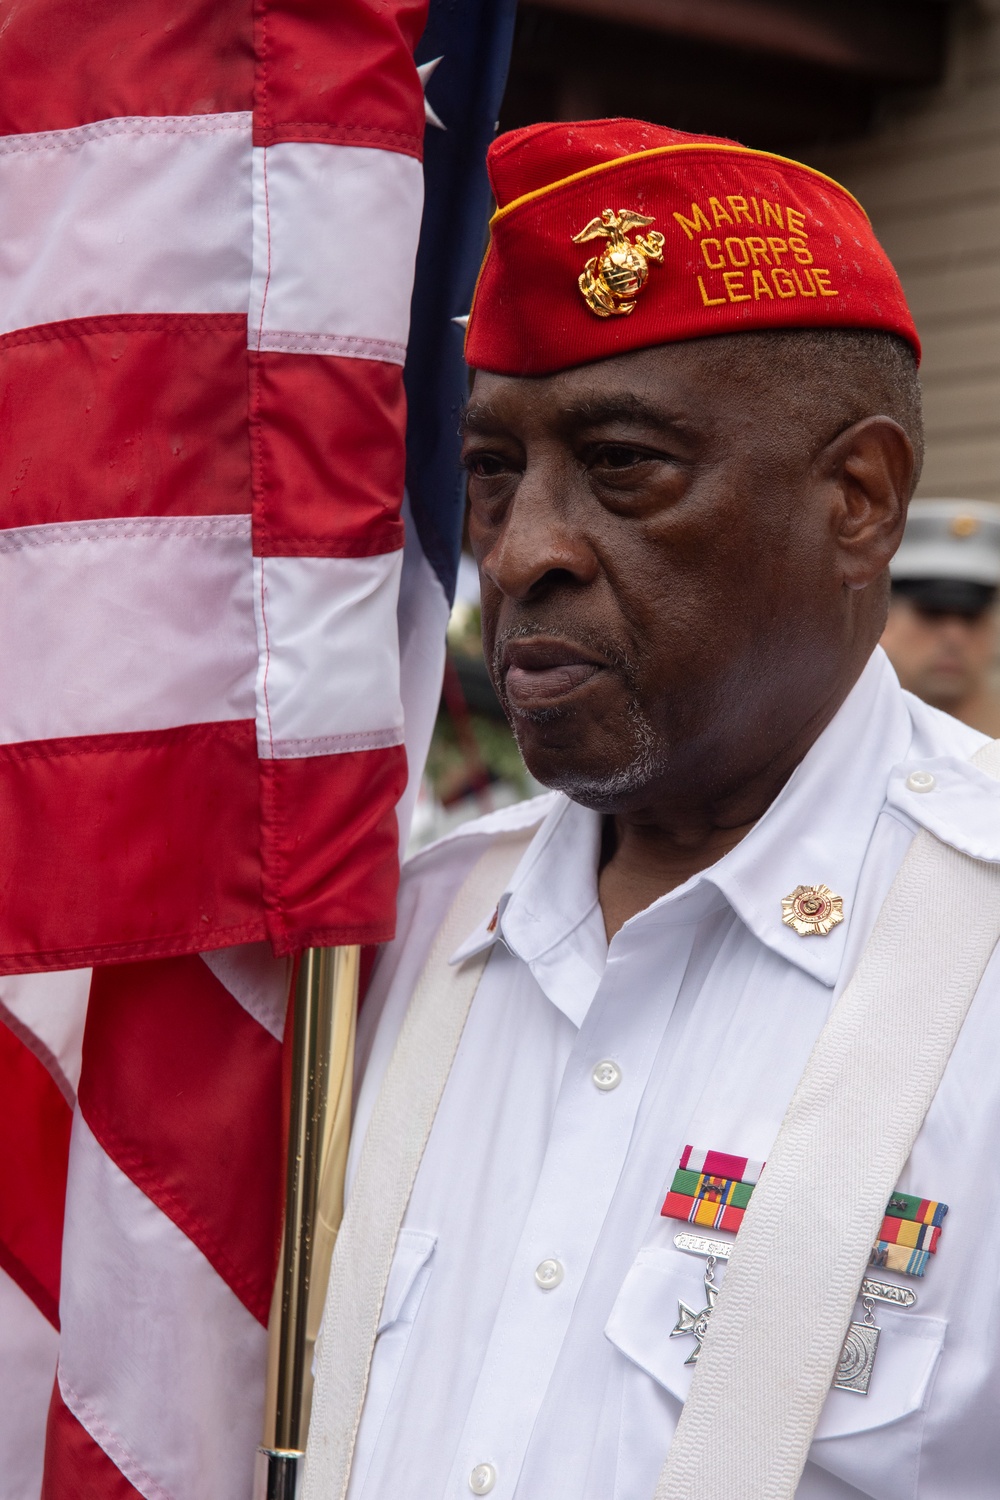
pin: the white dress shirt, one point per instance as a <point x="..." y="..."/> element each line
<point x="524" y="1348"/>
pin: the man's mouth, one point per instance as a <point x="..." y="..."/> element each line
<point x="538" y="673"/>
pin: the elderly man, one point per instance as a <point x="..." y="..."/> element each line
<point x="691" y="440"/>
<point x="941" y="634"/>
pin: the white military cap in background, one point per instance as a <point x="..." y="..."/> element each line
<point x="949" y="558"/>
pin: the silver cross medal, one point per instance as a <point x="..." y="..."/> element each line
<point x="696" y="1323"/>
<point x="857" y="1357"/>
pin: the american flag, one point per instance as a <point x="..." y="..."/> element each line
<point x="209" y="216"/>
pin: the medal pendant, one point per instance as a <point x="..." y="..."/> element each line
<point x="857" y="1358"/>
<point x="694" y="1322"/>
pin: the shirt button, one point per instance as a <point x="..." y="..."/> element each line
<point x="921" y="781"/>
<point x="548" y="1274"/>
<point x="607" y="1075"/>
<point x="482" y="1479"/>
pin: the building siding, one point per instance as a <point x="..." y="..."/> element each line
<point x="929" y="176"/>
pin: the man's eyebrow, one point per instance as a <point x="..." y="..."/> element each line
<point x="596" y="411"/>
<point x="478" y="416"/>
<point x="599" y="411"/>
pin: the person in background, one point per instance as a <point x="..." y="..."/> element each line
<point x="941" y="634"/>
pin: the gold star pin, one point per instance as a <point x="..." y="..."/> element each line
<point x="813" y="910"/>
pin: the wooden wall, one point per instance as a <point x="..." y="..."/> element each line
<point x="929" y="176"/>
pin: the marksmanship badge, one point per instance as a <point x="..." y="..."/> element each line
<point x="610" y="282"/>
<point x="857" y="1357"/>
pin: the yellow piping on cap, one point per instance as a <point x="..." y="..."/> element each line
<point x="604" y="166"/>
<point x="475" y="292"/>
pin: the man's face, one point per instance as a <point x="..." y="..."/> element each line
<point x="943" y="658"/>
<point x="659" y="569"/>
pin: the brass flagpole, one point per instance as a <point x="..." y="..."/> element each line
<point x="325" y="1006"/>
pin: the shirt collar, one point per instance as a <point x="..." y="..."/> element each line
<point x="549" y="915"/>
<point x="818" y="829"/>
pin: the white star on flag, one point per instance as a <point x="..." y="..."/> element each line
<point x="425" y="70"/>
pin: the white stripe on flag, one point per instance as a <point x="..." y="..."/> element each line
<point x="423" y="621"/>
<point x="258" y="980"/>
<point x="118" y="626"/>
<point x="335" y="241"/>
<point x="328" y="679"/>
<point x="48" y="1012"/>
<point x="131" y="1281"/>
<point x="126" y="216"/>
<point x="28" y="1347"/>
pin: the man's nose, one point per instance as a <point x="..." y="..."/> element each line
<point x="541" y="541"/>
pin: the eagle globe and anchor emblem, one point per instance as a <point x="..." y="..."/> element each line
<point x="611" y="282"/>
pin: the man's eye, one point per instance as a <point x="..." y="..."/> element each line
<point x="618" y="456"/>
<point x="485" y="465"/>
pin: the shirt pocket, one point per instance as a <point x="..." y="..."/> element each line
<point x="408" y="1278"/>
<point x="872" y="1442"/>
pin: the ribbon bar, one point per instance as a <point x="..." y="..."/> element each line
<point x="899" y="1258"/>
<point x="715" y="1189"/>
<point x="701" y="1211"/>
<point x="919" y="1210"/>
<point x="721" y="1164"/>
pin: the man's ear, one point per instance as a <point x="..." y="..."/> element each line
<point x="869" y="468"/>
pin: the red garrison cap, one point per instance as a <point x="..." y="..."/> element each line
<point x="613" y="235"/>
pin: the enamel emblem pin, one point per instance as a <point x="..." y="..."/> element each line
<point x="812" y="910"/>
<point x="611" y="282"/>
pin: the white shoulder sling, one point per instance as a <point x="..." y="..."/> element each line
<point x="756" y="1397"/>
<point x="390" y="1158"/>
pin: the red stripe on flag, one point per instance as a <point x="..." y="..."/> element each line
<point x="353" y="83"/>
<point x="35" y="1125"/>
<point x="182" y="1088"/>
<point x="333" y="878"/>
<point x="75" y="1467"/>
<point x="29" y="1284"/>
<point x="146" y="845"/>
<point x="78" y="398"/>
<point x="329" y="455"/>
<point x="67" y="62"/>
